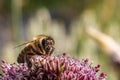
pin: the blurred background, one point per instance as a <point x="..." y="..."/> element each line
<point x="80" y="28"/>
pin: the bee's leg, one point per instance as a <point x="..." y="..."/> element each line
<point x="27" y="60"/>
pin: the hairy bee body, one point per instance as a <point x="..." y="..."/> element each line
<point x="41" y="45"/>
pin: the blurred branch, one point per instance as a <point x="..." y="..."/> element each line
<point x="107" y="43"/>
<point x="16" y="19"/>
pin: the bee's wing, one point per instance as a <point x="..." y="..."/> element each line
<point x="23" y="44"/>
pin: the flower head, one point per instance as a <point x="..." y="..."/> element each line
<point x="52" y="68"/>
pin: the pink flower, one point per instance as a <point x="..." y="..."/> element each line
<point x="52" y="68"/>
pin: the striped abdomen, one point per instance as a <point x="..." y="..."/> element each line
<point x="28" y="51"/>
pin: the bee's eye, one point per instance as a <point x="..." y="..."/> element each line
<point x="43" y="42"/>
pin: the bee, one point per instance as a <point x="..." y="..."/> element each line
<point x="40" y="45"/>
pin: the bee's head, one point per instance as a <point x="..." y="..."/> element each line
<point x="48" y="44"/>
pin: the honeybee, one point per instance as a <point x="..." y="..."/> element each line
<point x="40" y="45"/>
